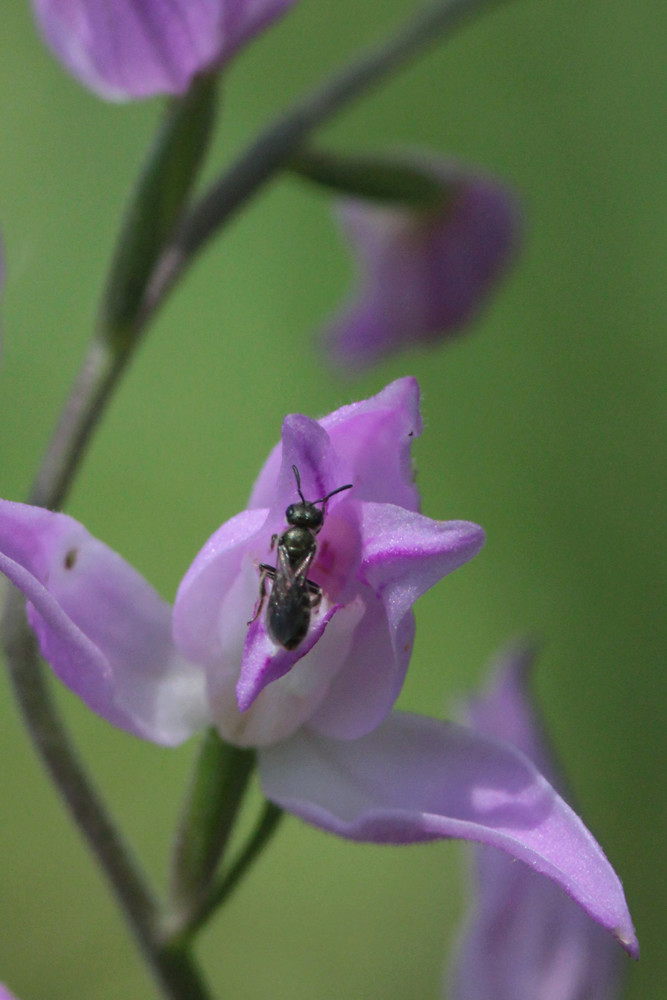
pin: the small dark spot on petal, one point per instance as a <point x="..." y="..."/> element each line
<point x="70" y="558"/>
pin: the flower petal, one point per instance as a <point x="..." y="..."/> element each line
<point x="525" y="940"/>
<point x="101" y="626"/>
<point x="416" y="779"/>
<point x="505" y="711"/>
<point x="364" y="691"/>
<point x="243" y="19"/>
<point x="372" y="440"/>
<point x="138" y="48"/>
<point x="306" y="446"/>
<point x="405" y="554"/>
<point x="132" y="48"/>
<point x="285" y="704"/>
<point x="204" y="588"/>
<point x="423" y="275"/>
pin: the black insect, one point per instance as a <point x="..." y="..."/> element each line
<point x="293" y="596"/>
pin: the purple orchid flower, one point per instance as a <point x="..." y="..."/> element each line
<point x="526" y="940"/>
<point x="138" y="48"/>
<point x="424" y="275"/>
<point x="329" y="747"/>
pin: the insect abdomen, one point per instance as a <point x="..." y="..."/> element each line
<point x="288" y="619"/>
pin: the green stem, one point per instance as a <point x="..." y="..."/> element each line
<point x="156" y="203"/>
<point x="272" y="149"/>
<point x="262" y="834"/>
<point x="98" y="376"/>
<point x="156" y="206"/>
<point x="219" y="784"/>
<point x="173" y="969"/>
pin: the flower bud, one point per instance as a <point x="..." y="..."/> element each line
<point x="425" y="274"/>
<point x="138" y="48"/>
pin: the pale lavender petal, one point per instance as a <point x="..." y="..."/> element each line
<point x="405" y="554"/>
<point x="505" y="710"/>
<point x="416" y="779"/>
<point x="137" y="48"/>
<point x="133" y="48"/>
<point x="206" y="584"/>
<point x="289" y="701"/>
<point x="372" y="439"/>
<point x="364" y="690"/>
<point x="306" y="445"/>
<point x="526" y="940"/>
<point x="5" y="994"/>
<point x="101" y="626"/>
<point x="423" y="276"/>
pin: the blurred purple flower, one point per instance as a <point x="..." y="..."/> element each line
<point x="424" y="276"/>
<point x="330" y="749"/>
<point x="138" y="48"/>
<point x="526" y="940"/>
<point x="5" y="994"/>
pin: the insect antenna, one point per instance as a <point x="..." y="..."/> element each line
<point x="298" y="483"/>
<point x="333" y="493"/>
<point x="339" y="489"/>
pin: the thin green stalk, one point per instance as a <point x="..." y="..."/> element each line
<point x="220" y="780"/>
<point x="266" y="827"/>
<point x="173" y="969"/>
<point x="97" y="377"/>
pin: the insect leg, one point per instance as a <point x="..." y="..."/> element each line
<point x="264" y="573"/>
<point x="314" y="594"/>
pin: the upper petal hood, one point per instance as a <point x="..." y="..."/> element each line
<point x="373" y="439"/>
<point x="101" y="626"/>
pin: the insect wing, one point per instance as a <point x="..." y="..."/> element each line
<point x="289" y="580"/>
<point x="288" y="614"/>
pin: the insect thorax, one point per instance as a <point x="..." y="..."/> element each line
<point x="297" y="543"/>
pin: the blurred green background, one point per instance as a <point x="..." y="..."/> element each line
<point x="547" y="425"/>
